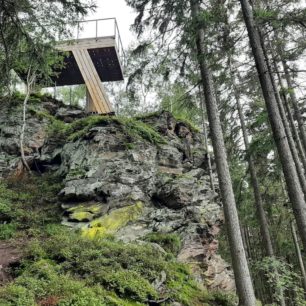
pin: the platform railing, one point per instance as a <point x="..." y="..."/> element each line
<point x="94" y="29"/>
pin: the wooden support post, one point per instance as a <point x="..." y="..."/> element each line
<point x="99" y="101"/>
<point x="90" y="107"/>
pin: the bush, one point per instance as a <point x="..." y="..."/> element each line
<point x="7" y="231"/>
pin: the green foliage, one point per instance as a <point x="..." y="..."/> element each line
<point x="264" y="16"/>
<point x="182" y="105"/>
<point x="191" y="125"/>
<point x="79" y="128"/>
<point x="7" y="231"/>
<point x="170" y="242"/>
<point x="223" y="299"/>
<point x="147" y="115"/>
<point x="56" y="127"/>
<point x="281" y="275"/>
<point x="42" y="282"/>
<point x="28" y="32"/>
<point x="73" y="95"/>
<point x="138" y="129"/>
<point x="132" y="127"/>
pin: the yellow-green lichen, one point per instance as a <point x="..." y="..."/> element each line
<point x="84" y="213"/>
<point x="94" y="208"/>
<point x="111" y="223"/>
<point x="82" y="216"/>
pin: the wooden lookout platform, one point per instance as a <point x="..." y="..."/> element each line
<point x="91" y="61"/>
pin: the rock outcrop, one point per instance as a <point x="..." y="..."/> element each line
<point x="124" y="177"/>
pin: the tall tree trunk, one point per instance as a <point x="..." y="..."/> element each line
<point x="292" y="144"/>
<point x="297" y="112"/>
<point x="202" y="102"/>
<point x="241" y="270"/>
<point x="294" y="102"/>
<point x="263" y="222"/>
<point x="294" y="129"/>
<point x="299" y="255"/>
<point x="292" y="181"/>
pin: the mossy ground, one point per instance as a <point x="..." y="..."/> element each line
<point x="60" y="267"/>
<point x="192" y="127"/>
<point x="80" y="127"/>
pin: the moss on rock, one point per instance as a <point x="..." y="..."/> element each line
<point x="170" y="242"/>
<point x="111" y="223"/>
<point x="84" y="212"/>
<point x="81" y="216"/>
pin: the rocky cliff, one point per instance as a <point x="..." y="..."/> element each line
<point x="135" y="179"/>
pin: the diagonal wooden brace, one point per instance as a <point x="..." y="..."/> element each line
<point x="98" y="98"/>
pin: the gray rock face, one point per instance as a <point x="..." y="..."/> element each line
<point x="10" y="127"/>
<point x="107" y="170"/>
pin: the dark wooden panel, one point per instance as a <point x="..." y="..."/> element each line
<point x="70" y="74"/>
<point x="106" y="63"/>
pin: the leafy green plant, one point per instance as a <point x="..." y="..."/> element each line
<point x="7" y="231"/>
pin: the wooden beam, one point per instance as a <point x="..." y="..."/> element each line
<point x="88" y="43"/>
<point x="93" y="83"/>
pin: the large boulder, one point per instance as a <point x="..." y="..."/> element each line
<point x="128" y="178"/>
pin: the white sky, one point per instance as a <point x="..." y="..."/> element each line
<point x="123" y="13"/>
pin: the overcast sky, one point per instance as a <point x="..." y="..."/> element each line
<point x="124" y="15"/>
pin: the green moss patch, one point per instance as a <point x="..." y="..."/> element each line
<point x="112" y="222"/>
<point x="72" y="270"/>
<point x="170" y="242"/>
<point x="79" y="128"/>
<point x="191" y="126"/>
<point x="62" y="268"/>
<point x="134" y="128"/>
<point x="84" y="213"/>
<point x="27" y="206"/>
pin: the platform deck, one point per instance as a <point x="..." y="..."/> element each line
<point x="103" y="53"/>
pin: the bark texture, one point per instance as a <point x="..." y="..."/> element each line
<point x="241" y="270"/>
<point x="292" y="181"/>
<point x="263" y="222"/>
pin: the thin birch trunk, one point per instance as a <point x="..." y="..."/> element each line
<point x="30" y="82"/>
